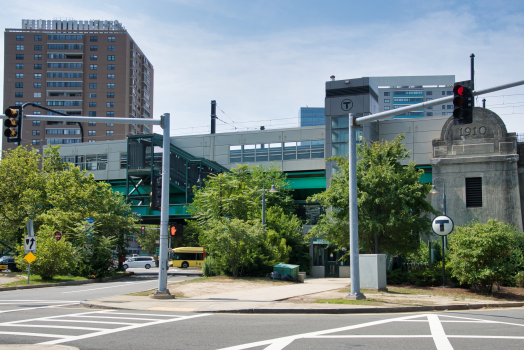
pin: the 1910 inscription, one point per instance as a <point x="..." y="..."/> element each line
<point x="467" y="131"/>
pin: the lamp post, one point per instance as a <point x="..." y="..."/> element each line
<point x="444" y="238"/>
<point x="272" y="190"/>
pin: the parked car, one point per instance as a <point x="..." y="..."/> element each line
<point x="139" y="261"/>
<point x="9" y="261"/>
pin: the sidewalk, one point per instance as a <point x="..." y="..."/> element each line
<point x="269" y="300"/>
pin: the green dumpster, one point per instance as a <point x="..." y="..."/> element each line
<point x="287" y="269"/>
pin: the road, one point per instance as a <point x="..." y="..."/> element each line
<point x="52" y="316"/>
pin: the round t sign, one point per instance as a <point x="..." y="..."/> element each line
<point x="442" y="225"/>
<point x="58" y="235"/>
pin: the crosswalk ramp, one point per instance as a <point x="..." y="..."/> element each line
<point x="71" y="327"/>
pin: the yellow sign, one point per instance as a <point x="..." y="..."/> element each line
<point x="30" y="257"/>
<point x="3" y="267"/>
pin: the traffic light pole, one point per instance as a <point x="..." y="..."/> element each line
<point x="353" y="203"/>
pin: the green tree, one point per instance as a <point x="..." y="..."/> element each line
<point x="229" y="208"/>
<point x="484" y="254"/>
<point x="58" y="195"/>
<point x="52" y="258"/>
<point x="392" y="206"/>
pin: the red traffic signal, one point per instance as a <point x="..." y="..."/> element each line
<point x="463" y="103"/>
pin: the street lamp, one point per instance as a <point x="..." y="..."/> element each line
<point x="272" y="190"/>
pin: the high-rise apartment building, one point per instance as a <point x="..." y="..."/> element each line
<point x="88" y="68"/>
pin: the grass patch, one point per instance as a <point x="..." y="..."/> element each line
<point x="368" y="302"/>
<point x="147" y="293"/>
<point x="456" y="293"/>
<point x="36" y="279"/>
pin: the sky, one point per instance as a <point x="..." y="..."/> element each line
<point x="263" y="60"/>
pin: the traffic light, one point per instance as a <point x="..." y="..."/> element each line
<point x="143" y="231"/>
<point x="173" y="230"/>
<point x="156" y="193"/>
<point x="13" y="133"/>
<point x="463" y="103"/>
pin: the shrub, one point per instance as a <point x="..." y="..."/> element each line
<point x="210" y="267"/>
<point x="484" y="254"/>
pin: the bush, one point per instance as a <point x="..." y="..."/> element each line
<point x="423" y="278"/>
<point x="210" y="267"/>
<point x="52" y="258"/>
<point x="519" y="279"/>
<point x="485" y="254"/>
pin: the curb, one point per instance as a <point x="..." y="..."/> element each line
<point x="70" y="283"/>
<point x="339" y="311"/>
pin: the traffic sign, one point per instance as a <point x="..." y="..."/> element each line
<point x="58" y="236"/>
<point x="30" y="257"/>
<point x="442" y="225"/>
<point x="30" y="244"/>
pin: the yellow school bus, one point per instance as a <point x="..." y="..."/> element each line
<point x="188" y="257"/>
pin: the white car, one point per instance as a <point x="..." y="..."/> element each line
<point x="140" y="261"/>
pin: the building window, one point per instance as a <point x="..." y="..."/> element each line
<point x="93" y="48"/>
<point x="450" y="106"/>
<point x="36" y="122"/>
<point x="92" y="104"/>
<point x="37" y="66"/>
<point x="443" y="113"/>
<point x="110" y="57"/>
<point x="19" y="47"/>
<point x="110" y="124"/>
<point x="38" y="38"/>
<point x="429" y="92"/>
<point x="96" y="161"/>
<point x="36" y="132"/>
<point x="110" y="67"/>
<point x="91" y="141"/>
<point x="38" y="76"/>
<point x="110" y="86"/>
<point x="92" y="95"/>
<point x="91" y="132"/>
<point x="92" y="86"/>
<point x="429" y="114"/>
<point x="93" y="57"/>
<point x="38" y="47"/>
<point x="19" y="94"/>
<point x="110" y="95"/>
<point x="37" y="113"/>
<point x="18" y="103"/>
<point x="19" y="56"/>
<point x="93" y="67"/>
<point x="37" y="94"/>
<point x="123" y="160"/>
<point x="19" y="38"/>
<point x="93" y="39"/>
<point x="386" y="93"/>
<point x="110" y="104"/>
<point x="38" y="57"/>
<point x="92" y="76"/>
<point x="92" y="123"/>
<point x="92" y="114"/>
<point x="110" y="76"/>
<point x="473" y="192"/>
<point x="110" y="114"/>
<point x="387" y="100"/>
<point x="19" y="75"/>
<point x="111" y="38"/>
<point x="36" y="142"/>
<point x="19" y="66"/>
<point x="387" y="108"/>
<point x="449" y="92"/>
<point x="109" y="132"/>
<point x="110" y="48"/>
<point x="443" y="106"/>
<point x="19" y="85"/>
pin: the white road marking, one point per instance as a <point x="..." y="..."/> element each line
<point x="26" y="334"/>
<point x="49" y="326"/>
<point x="437" y="331"/>
<point x="97" y="322"/>
<point x="122" y="329"/>
<point x="120" y="285"/>
<point x="120" y="318"/>
<point x="280" y="343"/>
<point x="39" y="307"/>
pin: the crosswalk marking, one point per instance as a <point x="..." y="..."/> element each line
<point x="104" y="317"/>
